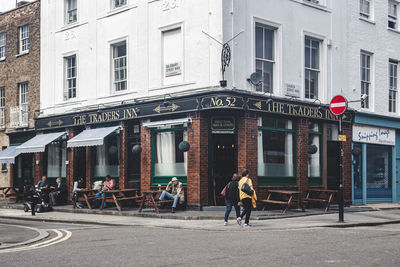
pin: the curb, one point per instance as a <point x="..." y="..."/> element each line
<point x="335" y="225"/>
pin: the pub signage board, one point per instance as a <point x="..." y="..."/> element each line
<point x="293" y="109"/>
<point x="223" y="124"/>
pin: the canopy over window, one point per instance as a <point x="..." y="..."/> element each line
<point x="39" y="142"/>
<point x="9" y="154"/>
<point x="91" y="137"/>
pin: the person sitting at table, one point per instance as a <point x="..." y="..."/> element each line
<point x="176" y="194"/>
<point x="78" y="186"/>
<point x="42" y="183"/>
<point x="60" y="193"/>
<point x="109" y="184"/>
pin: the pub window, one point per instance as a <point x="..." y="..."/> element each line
<point x="106" y="158"/>
<point x="168" y="160"/>
<point x="70" y="77"/>
<point x="314" y="159"/>
<point x="56" y="156"/>
<point x="276" y="147"/>
<point x="365" y="73"/>
<point x="2" y="45"/>
<point x="71" y="11"/>
<point x="393" y="86"/>
<point x="118" y="3"/>
<point x="311" y="67"/>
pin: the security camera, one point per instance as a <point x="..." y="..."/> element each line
<point x="364" y="96"/>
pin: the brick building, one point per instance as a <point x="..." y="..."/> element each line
<point x="19" y="87"/>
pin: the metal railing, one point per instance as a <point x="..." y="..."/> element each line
<point x="19" y="116"/>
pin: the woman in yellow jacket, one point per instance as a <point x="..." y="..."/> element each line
<point x="245" y="198"/>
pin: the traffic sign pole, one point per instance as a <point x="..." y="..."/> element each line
<point x="338" y="106"/>
<point x="340" y="191"/>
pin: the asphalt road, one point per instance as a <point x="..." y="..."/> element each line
<point x="91" y="245"/>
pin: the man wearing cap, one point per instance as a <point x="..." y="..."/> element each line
<point x="176" y="192"/>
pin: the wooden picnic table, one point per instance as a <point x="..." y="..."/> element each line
<point x="292" y="196"/>
<point x="10" y="191"/>
<point x="321" y="196"/>
<point x="86" y="195"/>
<point x="118" y="195"/>
<point x="148" y="199"/>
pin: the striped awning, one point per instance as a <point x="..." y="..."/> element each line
<point x="39" y="142"/>
<point x="9" y="154"/>
<point x="91" y="137"/>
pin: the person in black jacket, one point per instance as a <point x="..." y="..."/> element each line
<point x="232" y="198"/>
<point x="60" y="193"/>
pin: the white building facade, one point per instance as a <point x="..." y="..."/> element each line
<point x="155" y="57"/>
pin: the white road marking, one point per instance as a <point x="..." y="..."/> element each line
<point x="55" y="240"/>
<point x="340" y="104"/>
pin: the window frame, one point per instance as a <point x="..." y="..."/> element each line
<point x="67" y="89"/>
<point x="70" y="11"/>
<point x="3" y="46"/>
<point x="364" y="14"/>
<point x="368" y="82"/>
<point x="317" y="180"/>
<point x="393" y="18"/>
<point x="280" y="180"/>
<point x="23" y="41"/>
<point x="264" y="59"/>
<point x="163" y="180"/>
<point x="113" y="82"/>
<point x="114" y="6"/>
<point x="393" y="90"/>
<point x="311" y="69"/>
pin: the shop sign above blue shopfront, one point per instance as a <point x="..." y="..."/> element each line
<point x="374" y="135"/>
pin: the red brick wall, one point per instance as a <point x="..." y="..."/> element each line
<point x="247" y="145"/>
<point x="38" y="168"/>
<point x="347" y="163"/>
<point x="145" y="140"/>
<point x="302" y="155"/>
<point x="123" y="157"/>
<point x="197" y="175"/>
<point x="71" y="166"/>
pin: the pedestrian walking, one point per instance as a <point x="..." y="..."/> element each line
<point x="232" y="198"/>
<point x="246" y="191"/>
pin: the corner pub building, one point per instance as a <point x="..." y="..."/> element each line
<point x="227" y="131"/>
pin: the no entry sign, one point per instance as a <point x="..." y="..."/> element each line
<point x="338" y="105"/>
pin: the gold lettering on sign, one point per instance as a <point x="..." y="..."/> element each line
<point x="80" y="120"/>
<point x="217" y="101"/>
<point x="129" y="113"/>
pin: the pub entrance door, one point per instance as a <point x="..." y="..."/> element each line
<point x="224" y="164"/>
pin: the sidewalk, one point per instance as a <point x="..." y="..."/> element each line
<point x="360" y="218"/>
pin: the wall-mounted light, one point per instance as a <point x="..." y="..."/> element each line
<point x="37" y="162"/>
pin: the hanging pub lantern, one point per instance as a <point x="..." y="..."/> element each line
<point x="136" y="149"/>
<point x="184" y="146"/>
<point x="356" y="151"/>
<point x="312" y="149"/>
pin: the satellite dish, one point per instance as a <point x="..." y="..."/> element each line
<point x="255" y="78"/>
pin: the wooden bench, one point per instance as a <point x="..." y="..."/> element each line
<point x="285" y="198"/>
<point x="84" y="195"/>
<point x="10" y="191"/>
<point x="116" y="196"/>
<point x="320" y="196"/>
<point x="165" y="202"/>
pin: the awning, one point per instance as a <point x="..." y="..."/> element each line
<point x="9" y="154"/>
<point x="39" y="142"/>
<point x="91" y="137"/>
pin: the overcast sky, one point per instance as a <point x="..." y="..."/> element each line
<point x="6" y="5"/>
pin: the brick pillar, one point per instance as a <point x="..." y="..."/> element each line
<point x="38" y="168"/>
<point x="145" y="142"/>
<point x="347" y="163"/>
<point x="123" y="170"/>
<point x="197" y="157"/>
<point x="88" y="167"/>
<point x="247" y="145"/>
<point x="302" y="156"/>
<point x="70" y="168"/>
<point x="11" y="174"/>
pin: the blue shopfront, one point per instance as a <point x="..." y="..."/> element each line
<point x="376" y="159"/>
